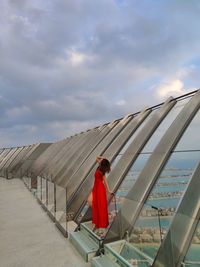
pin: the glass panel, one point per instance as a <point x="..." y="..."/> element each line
<point x="136" y="132"/>
<point x="135" y="256"/>
<point x="33" y="181"/>
<point x="29" y="183"/>
<point x="39" y="188"/>
<point x="51" y="201"/>
<point x="81" y="215"/>
<point x="61" y="216"/>
<point x="190" y="139"/>
<point x="130" y="178"/>
<point x="158" y="211"/>
<point x="149" y="230"/>
<point x="164" y="126"/>
<point x="44" y="192"/>
<point x="24" y="179"/>
<point x="126" y="255"/>
<point x="192" y="258"/>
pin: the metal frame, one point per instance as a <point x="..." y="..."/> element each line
<point x="18" y="171"/>
<point x="46" y="157"/>
<point x="66" y="159"/>
<point x="91" y="160"/>
<point x="90" y="163"/>
<point x="119" y="172"/>
<point x="138" y="194"/>
<point x="131" y="154"/>
<point x="17" y="157"/>
<point x="78" y="200"/>
<point x="13" y="160"/>
<point x="7" y="159"/>
<point x="83" y="160"/>
<point x="19" y="161"/>
<point x="7" y="156"/>
<point x="4" y="154"/>
<point x="60" y="159"/>
<point x="84" y="169"/>
<point x="77" y="159"/>
<point x="32" y="157"/>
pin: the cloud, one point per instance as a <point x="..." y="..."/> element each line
<point x="77" y="58"/>
<point x="174" y="85"/>
<point x="71" y="64"/>
<point x="174" y="88"/>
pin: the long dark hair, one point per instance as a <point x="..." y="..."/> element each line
<point x="104" y="166"/>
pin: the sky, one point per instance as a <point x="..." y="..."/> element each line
<point x="70" y="65"/>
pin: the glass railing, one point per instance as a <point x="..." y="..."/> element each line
<point x="125" y="255"/>
<point x="149" y="229"/>
<point x="51" y="198"/>
<point x="33" y="182"/>
<point x="39" y="188"/>
<point x="192" y="258"/>
<point x="27" y="181"/>
<point x="60" y="209"/>
<point x="44" y="192"/>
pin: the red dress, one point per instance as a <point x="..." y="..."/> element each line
<point x="99" y="202"/>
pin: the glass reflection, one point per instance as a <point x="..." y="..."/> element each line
<point x="51" y="201"/>
<point x="61" y="200"/>
<point x="156" y="137"/>
<point x="137" y="131"/>
<point x="39" y="187"/>
<point x="192" y="258"/>
<point x="44" y="196"/>
<point x="190" y="139"/>
<point x="130" y="178"/>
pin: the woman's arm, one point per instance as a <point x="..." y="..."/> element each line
<point x="106" y="184"/>
<point x="99" y="159"/>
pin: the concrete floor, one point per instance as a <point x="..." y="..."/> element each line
<point x="27" y="235"/>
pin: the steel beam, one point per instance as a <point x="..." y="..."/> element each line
<point x="61" y="158"/>
<point x="50" y="154"/>
<point x="78" y="153"/>
<point x="37" y="150"/>
<point x="110" y="152"/>
<point x="139" y="193"/>
<point x="77" y="159"/>
<point x="119" y="172"/>
<point x="83" y="160"/>
<point x="7" y="157"/>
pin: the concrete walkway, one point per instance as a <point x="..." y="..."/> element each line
<point x="27" y="235"/>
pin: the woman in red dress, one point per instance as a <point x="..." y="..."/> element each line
<point x="99" y="198"/>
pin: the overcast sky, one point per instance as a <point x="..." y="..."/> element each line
<point x="70" y="65"/>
